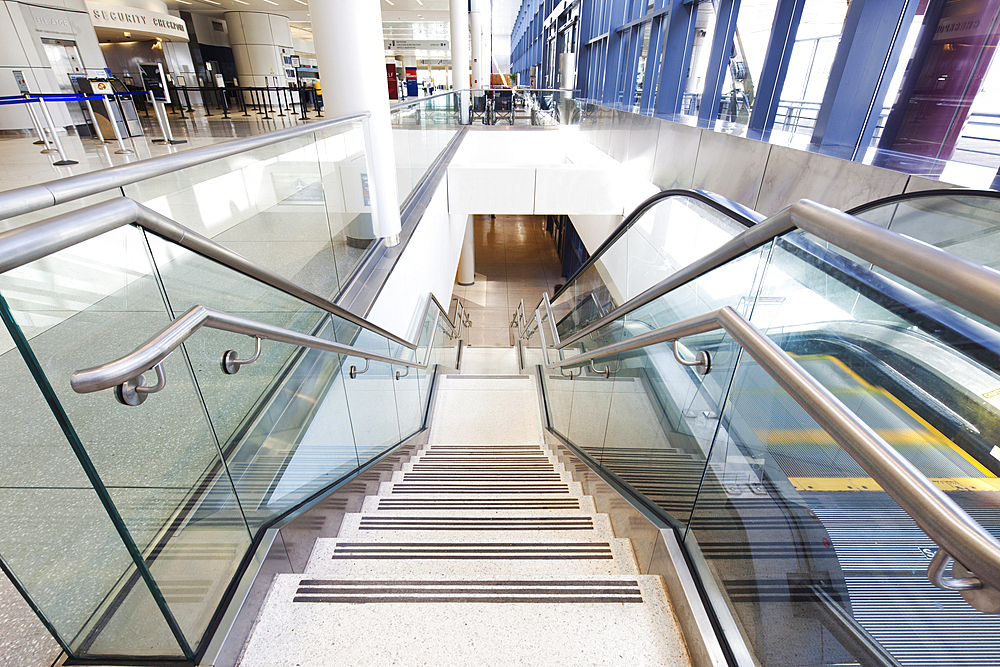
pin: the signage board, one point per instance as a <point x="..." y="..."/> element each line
<point x="416" y="45"/>
<point x="22" y="85"/>
<point x="131" y="19"/>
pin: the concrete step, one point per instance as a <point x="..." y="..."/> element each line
<point x="460" y="527"/>
<point x="486" y="620"/>
<point x="462" y="506"/>
<point x="466" y="559"/>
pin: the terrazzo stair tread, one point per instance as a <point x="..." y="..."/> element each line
<point x="395" y="490"/>
<point x="463" y="506"/>
<point x="477" y="477"/>
<point x="528" y="632"/>
<point x="511" y="557"/>
<point x="484" y="467"/>
<point x="474" y="527"/>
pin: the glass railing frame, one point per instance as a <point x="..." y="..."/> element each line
<point x="960" y="282"/>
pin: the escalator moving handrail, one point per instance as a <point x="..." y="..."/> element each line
<point x="34" y="241"/>
<point x="948" y="525"/>
<point x="739" y="213"/>
<point x="923" y="194"/>
<point x="959" y="281"/>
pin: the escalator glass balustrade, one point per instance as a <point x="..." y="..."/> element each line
<point x="805" y="558"/>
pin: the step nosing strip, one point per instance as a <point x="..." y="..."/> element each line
<point x="473" y="600"/>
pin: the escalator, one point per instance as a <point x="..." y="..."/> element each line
<point x="802" y="554"/>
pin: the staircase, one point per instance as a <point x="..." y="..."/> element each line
<point x="480" y="550"/>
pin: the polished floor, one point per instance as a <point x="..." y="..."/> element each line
<point x="22" y="162"/>
<point x="515" y="259"/>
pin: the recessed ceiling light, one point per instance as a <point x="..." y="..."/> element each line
<point x="420" y="2"/>
<point x="302" y="3"/>
<point x="391" y="2"/>
<point x="271" y="2"/>
<point x="212" y="2"/>
<point x="184" y="2"/>
<point x="239" y="1"/>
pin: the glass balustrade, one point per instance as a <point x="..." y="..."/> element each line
<point x="804" y="557"/>
<point x="125" y="526"/>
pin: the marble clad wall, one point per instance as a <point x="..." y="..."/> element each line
<point x="763" y="176"/>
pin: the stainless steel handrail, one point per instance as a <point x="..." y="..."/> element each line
<point x="956" y="533"/>
<point x="31" y="242"/>
<point x="36" y="197"/>
<point x="151" y="354"/>
<point x="966" y="284"/>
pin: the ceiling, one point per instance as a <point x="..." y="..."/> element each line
<point x="401" y="19"/>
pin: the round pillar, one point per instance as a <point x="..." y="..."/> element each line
<point x="351" y="56"/>
<point x="260" y="42"/>
<point x="460" y="79"/>
<point x="467" y="259"/>
<point x="476" y="28"/>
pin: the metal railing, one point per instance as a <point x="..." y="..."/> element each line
<point x="31" y="242"/>
<point x="959" y="281"/>
<point x="32" y="198"/>
<point x="126" y="373"/>
<point x="963" y="283"/>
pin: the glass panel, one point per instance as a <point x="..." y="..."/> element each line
<point x="57" y="537"/>
<point x="654" y="423"/>
<point x="794" y="530"/>
<point x="190" y="280"/>
<point x="701" y="48"/>
<point x="420" y="132"/>
<point x="672" y="234"/>
<point x="371" y="397"/>
<point x="809" y="66"/>
<point x="155" y="460"/>
<point x="753" y="31"/>
<point x="296" y="207"/>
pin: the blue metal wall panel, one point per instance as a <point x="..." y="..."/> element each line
<point x="676" y="57"/>
<point x="870" y="47"/>
<point x="787" y="16"/>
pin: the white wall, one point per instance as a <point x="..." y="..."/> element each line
<point x="428" y="265"/>
<point x="206" y="32"/>
<point x="22" y="27"/>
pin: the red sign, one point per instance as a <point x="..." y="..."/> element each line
<point x="390" y="76"/>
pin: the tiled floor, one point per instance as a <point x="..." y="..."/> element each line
<point x="515" y="259"/>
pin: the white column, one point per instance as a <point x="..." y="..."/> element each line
<point x="460" y="54"/>
<point x="467" y="260"/>
<point x="351" y="57"/>
<point x="476" y="28"/>
<point x="487" y="12"/>
<point x="260" y="42"/>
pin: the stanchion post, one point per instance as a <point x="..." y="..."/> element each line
<point x="266" y="99"/>
<point x="277" y="94"/>
<point x="97" y="126"/>
<point x="204" y="99"/>
<point x="243" y="100"/>
<point x="44" y="141"/>
<point x="302" y="103"/>
<point x="187" y="98"/>
<point x="63" y="160"/>
<point x="122" y="150"/>
<point x="225" y="104"/>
